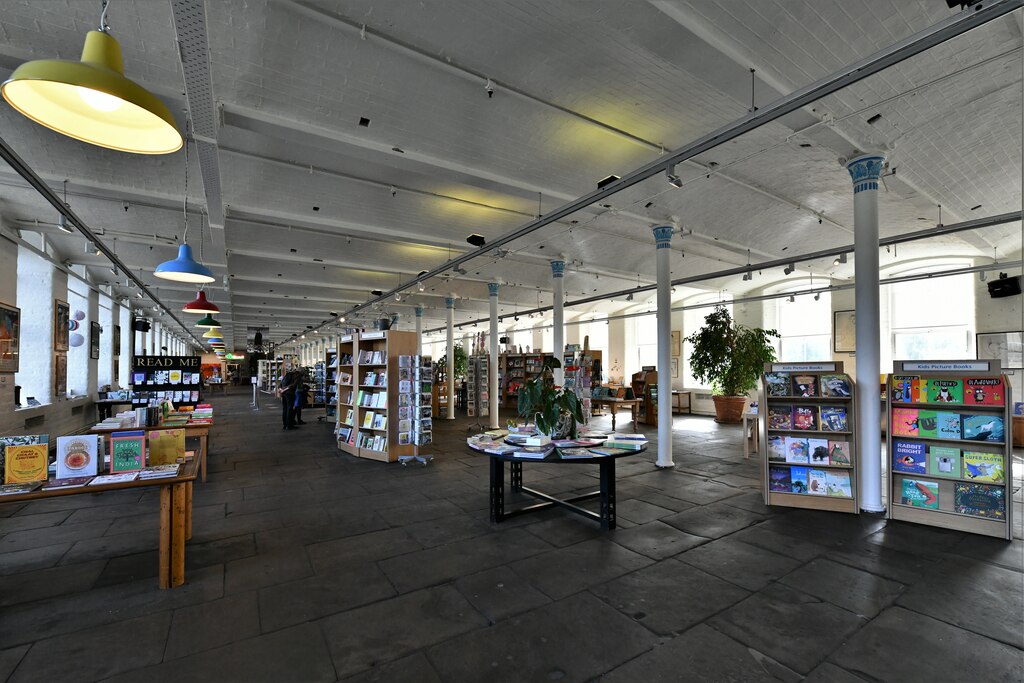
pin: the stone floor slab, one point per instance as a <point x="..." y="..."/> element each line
<point x="212" y="624"/>
<point x="640" y="511"/>
<point x="499" y="593"/>
<point x="412" y="669"/>
<point x="565" y="571"/>
<point x="852" y="589"/>
<point x="745" y="565"/>
<point x="656" y="540"/>
<point x="713" y="521"/>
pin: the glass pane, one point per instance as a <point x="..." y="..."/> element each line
<point x="943" y="343"/>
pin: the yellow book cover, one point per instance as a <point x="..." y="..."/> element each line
<point x="166" y="446"/>
<point x="368" y="419"/>
<point x="26" y="463"/>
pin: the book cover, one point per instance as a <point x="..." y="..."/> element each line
<point x="166" y="446"/>
<point x="947" y="425"/>
<point x="780" y="417"/>
<point x="778" y="480"/>
<point x="805" y="417"/>
<point x="908" y="456"/>
<point x="604" y="450"/>
<point x="945" y="391"/>
<point x="159" y="471"/>
<point x="119" y="478"/>
<point x="805" y="386"/>
<point x="944" y="461"/>
<point x="839" y="452"/>
<point x="926" y="423"/>
<point x="797" y="450"/>
<point x="174" y="376"/>
<point x="798" y="479"/>
<point x="835" y="386"/>
<point x="903" y="388"/>
<point x="818" y="451"/>
<point x="127" y="451"/>
<point x="838" y="484"/>
<point x="19" y="440"/>
<point x="777" y="383"/>
<point x="626" y="445"/>
<point x="67" y="483"/>
<point x="984" y="467"/>
<point x="833" y="419"/>
<point x="904" y="422"/>
<point x="15" y="489"/>
<point x="984" y="391"/>
<point x="575" y="453"/>
<point x="78" y="456"/>
<point x="816" y="484"/>
<point x="26" y="463"/>
<point x="920" y="494"/>
<point x="776" y="448"/>
<point x="979" y="500"/>
<point x="368" y="419"/>
<point x="983" y="428"/>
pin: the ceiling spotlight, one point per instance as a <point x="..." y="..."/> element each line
<point x="792" y="299"/>
<point x="748" y="276"/>
<point x="629" y="297"/>
<point x="817" y="296"/>
<point x="420" y="286"/>
<point x="839" y="259"/>
<point x="476" y="239"/>
<point x="113" y="270"/>
<point x="138" y="294"/>
<point x="673" y="179"/>
<point x="460" y="270"/>
<point x="789" y="269"/>
<point x="341" y="318"/>
<point x="398" y="296"/>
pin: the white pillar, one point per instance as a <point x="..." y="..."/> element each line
<point x="492" y="377"/>
<point x="419" y="329"/>
<point x="663" y="250"/>
<point x="865" y="170"/>
<point x="449" y="302"/>
<point x="557" y="322"/>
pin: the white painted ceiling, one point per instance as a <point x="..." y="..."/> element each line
<point x="318" y="210"/>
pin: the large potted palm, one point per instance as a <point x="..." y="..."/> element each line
<point x="555" y="410"/>
<point x="731" y="358"/>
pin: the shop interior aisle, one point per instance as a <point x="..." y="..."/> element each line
<point x="308" y="564"/>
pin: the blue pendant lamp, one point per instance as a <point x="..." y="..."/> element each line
<point x="185" y="268"/>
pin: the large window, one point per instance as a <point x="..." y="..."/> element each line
<point x="932" y="318"/>
<point x="646" y="335"/>
<point x="35" y="299"/>
<point x="805" y="328"/>
<point x="597" y="331"/>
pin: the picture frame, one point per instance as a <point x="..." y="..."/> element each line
<point x="677" y="343"/>
<point x="60" y="375"/>
<point x="61" y="325"/>
<point x="94" y="340"/>
<point x="117" y="341"/>
<point x="10" y="338"/>
<point x="1006" y="347"/>
<point x="844" y="331"/>
<point x="675" y="368"/>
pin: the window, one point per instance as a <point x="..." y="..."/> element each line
<point x="597" y="331"/>
<point x="646" y="331"/>
<point x="35" y="299"/>
<point x="78" y="354"/>
<point x="932" y="319"/>
<point x="105" y="372"/>
<point x="805" y="328"/>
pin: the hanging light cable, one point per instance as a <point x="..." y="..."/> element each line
<point x="184" y="268"/>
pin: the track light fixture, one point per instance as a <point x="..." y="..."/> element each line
<point x="673" y="179"/>
<point x="629" y="297"/>
<point x="789" y="269"/>
<point x="839" y="259"/>
<point x="817" y="296"/>
<point x="792" y="299"/>
<point x="420" y="286"/>
<point x="748" y="276"/>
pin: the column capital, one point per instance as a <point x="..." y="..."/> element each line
<point x="419" y="311"/>
<point x="492" y="288"/>
<point x="865" y="171"/>
<point x="449" y="302"/>
<point x="557" y="268"/>
<point x="663" y="236"/>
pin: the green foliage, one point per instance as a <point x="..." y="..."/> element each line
<point x="728" y="355"/>
<point x="545" y="404"/>
<point x="460" y="362"/>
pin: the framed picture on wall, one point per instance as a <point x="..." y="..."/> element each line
<point x="844" y="331"/>
<point x="1006" y="347"/>
<point x="677" y="343"/>
<point x="94" y="340"/>
<point x="10" y="337"/>
<point x="675" y="368"/>
<point x="60" y="375"/>
<point x="61" y="325"/>
<point x="117" y="341"/>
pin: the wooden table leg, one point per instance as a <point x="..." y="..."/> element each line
<point x="615" y="409"/>
<point x="188" y="511"/>
<point x="165" y="536"/>
<point x="204" y="447"/>
<point x="178" y="535"/>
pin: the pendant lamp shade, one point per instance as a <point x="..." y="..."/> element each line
<point x="211" y="334"/>
<point x="91" y="100"/>
<point x="214" y="341"/>
<point x="208" y="321"/>
<point x="200" y="305"/>
<point x="184" y="268"/>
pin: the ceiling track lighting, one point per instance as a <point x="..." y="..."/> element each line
<point x="789" y="269"/>
<point x="839" y="259"/>
<point x="91" y="100"/>
<point x="792" y="299"/>
<point x="673" y="179"/>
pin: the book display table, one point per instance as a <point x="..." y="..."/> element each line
<point x="614" y="404"/>
<point x="606" y="491"/>
<point x="175" y="514"/>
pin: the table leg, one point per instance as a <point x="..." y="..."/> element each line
<point x="497" y="490"/>
<point x="516" y="475"/>
<point x="607" y="494"/>
<point x="165" y="536"/>
<point x="204" y="447"/>
<point x="178" y="535"/>
<point x="188" y="511"/>
<point x="615" y="409"/>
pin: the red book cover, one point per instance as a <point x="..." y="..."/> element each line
<point x="984" y="391"/>
<point x="805" y="417"/>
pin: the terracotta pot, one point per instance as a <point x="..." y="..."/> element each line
<point x="729" y="409"/>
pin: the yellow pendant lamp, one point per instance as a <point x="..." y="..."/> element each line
<point x="92" y="100"/>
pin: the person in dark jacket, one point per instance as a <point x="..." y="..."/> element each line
<point x="287" y="390"/>
<point x="301" y="396"/>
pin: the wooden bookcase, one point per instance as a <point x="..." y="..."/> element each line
<point x="269" y="374"/>
<point x="372" y="394"/>
<point x="941" y="471"/>
<point x="331" y="386"/>
<point x="645" y="388"/>
<point x="783" y="392"/>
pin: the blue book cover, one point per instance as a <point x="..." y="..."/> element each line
<point x="947" y="425"/>
<point x="909" y="456"/>
<point x="778" y="479"/>
<point x="798" y="479"/>
<point x="983" y="428"/>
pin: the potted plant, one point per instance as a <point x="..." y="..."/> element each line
<point x="555" y="410"/>
<point x="460" y="362"/>
<point x="731" y="357"/>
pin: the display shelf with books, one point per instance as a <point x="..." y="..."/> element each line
<point x="331" y="386"/>
<point x="344" y="376"/>
<point x="439" y="391"/>
<point x="949" y="452"/>
<point x="478" y="402"/>
<point x="172" y="378"/>
<point x="268" y="374"/>
<point x="808" y="430"/>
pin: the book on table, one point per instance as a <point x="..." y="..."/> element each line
<point x="67" y="483"/>
<point x="127" y="451"/>
<point x="77" y="456"/>
<point x="119" y="478"/>
<point x="16" y="489"/>
<point x="26" y="463"/>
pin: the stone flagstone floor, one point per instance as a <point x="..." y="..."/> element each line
<point x="310" y="565"/>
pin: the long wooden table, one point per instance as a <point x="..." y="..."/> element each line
<point x="202" y="432"/>
<point x="175" y="514"/>
<point x="615" y="403"/>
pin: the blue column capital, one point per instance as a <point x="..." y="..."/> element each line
<point x="865" y="171"/>
<point x="663" y="236"/>
<point x="419" y="311"/>
<point x="557" y="268"/>
<point x="449" y="302"/>
<point x="492" y="288"/>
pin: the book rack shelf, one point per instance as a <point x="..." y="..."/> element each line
<point x="331" y="385"/>
<point x="269" y="375"/>
<point x="478" y="403"/>
<point x="514" y="369"/>
<point x="172" y="378"/>
<point x="949" y="450"/>
<point x="368" y="389"/>
<point x="808" y="444"/>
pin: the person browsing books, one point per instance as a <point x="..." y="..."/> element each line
<point x="287" y="391"/>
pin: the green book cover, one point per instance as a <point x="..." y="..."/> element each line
<point x="927" y="423"/>
<point x="920" y="494"/>
<point x="945" y="391"/>
<point x="127" y="451"/>
<point x="944" y="461"/>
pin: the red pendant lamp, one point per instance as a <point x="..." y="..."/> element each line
<point x="201" y="305"/>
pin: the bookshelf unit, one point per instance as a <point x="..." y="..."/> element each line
<point x="950" y="455"/>
<point x="331" y="386"/>
<point x="478" y="402"/>
<point x="368" y="394"/>
<point x="269" y="375"/>
<point x="645" y="388"/>
<point x="813" y="466"/>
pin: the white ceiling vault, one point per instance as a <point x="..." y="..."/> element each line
<point x="305" y="211"/>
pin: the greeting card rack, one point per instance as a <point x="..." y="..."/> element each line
<point x="950" y="455"/>
<point x="808" y="436"/>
